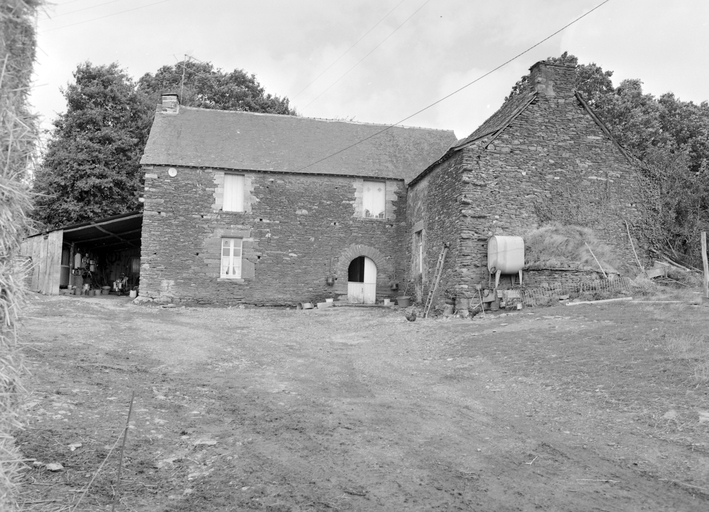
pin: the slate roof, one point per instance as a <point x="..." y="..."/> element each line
<point x="247" y="141"/>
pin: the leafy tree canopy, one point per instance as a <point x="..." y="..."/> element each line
<point x="199" y="84"/>
<point x="91" y="166"/>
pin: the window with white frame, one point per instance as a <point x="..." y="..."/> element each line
<point x="374" y="199"/>
<point x="231" y="258"/>
<point x="233" y="193"/>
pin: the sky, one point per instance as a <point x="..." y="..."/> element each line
<point x="378" y="61"/>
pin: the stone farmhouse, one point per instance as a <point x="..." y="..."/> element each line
<point x="244" y="208"/>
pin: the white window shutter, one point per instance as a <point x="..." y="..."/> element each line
<point x="233" y="193"/>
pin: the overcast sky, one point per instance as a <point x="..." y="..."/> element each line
<point x="411" y="53"/>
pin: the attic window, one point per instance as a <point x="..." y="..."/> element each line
<point x="233" y="193"/>
<point x="374" y="199"/>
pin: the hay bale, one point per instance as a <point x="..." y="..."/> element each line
<point x="18" y="137"/>
<point x="556" y="246"/>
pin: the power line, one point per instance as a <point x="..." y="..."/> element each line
<point x="347" y="50"/>
<point x="71" y="2"/>
<point x="370" y="53"/>
<point x="456" y="91"/>
<point x="82" y="9"/>
<point x="106" y="16"/>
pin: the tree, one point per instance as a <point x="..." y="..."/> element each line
<point x="91" y="167"/>
<point x="199" y="84"/>
<point x="634" y="118"/>
<point x="675" y="203"/>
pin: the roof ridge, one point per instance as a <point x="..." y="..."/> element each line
<point x="326" y="120"/>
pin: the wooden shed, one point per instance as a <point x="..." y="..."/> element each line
<point x="95" y="253"/>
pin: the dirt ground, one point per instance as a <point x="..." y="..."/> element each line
<point x="599" y="407"/>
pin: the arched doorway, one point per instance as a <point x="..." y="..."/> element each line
<point x="362" y="281"/>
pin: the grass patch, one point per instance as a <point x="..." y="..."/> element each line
<point x="693" y="350"/>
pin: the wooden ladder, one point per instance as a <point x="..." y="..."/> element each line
<point x="436" y="279"/>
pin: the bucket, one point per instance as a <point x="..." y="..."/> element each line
<point x="133" y="294"/>
<point x="387" y="302"/>
<point x="403" y="302"/>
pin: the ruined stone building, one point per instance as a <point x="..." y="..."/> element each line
<point x="543" y="156"/>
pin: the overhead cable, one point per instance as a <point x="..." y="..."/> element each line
<point x="102" y="17"/>
<point x="456" y="91"/>
<point x="370" y="53"/>
<point x="347" y="51"/>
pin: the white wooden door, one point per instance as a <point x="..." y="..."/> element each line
<point x="370" y="282"/>
<point x="363" y="290"/>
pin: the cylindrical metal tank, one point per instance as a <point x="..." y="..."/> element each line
<point x="505" y="254"/>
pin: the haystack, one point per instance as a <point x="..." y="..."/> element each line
<point x="556" y="247"/>
<point x="18" y="136"/>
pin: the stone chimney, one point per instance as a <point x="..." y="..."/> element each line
<point x="552" y="80"/>
<point x="169" y="104"/>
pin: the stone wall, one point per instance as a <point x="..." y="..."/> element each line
<point x="552" y="163"/>
<point x="297" y="230"/>
<point x="434" y="208"/>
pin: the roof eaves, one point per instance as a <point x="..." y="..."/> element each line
<point x="274" y="171"/>
<point x="469" y="142"/>
<point x="428" y="169"/>
<point x="512" y="117"/>
<point x="499" y="129"/>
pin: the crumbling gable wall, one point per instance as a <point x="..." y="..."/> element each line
<point x="552" y="162"/>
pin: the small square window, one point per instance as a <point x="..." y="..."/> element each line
<point x="374" y="199"/>
<point x="231" y="258"/>
<point x="233" y="193"/>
